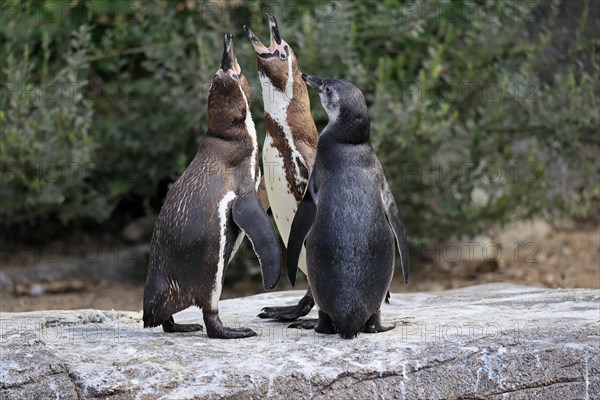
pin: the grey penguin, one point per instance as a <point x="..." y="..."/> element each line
<point x="290" y="144"/>
<point x="348" y="219"/>
<point x="207" y="213"/>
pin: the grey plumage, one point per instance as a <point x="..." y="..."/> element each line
<point x="348" y="218"/>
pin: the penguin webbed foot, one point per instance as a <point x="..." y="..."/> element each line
<point x="374" y="325"/>
<point x="304" y="324"/>
<point x="171" y="327"/>
<point x="290" y="313"/>
<point x="216" y="330"/>
<point x="323" y="324"/>
<point x="232" y="333"/>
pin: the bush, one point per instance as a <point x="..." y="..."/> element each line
<point x="480" y="113"/>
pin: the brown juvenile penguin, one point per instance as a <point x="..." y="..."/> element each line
<point x="208" y="211"/>
<point x="290" y="144"/>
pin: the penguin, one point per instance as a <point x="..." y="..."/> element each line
<point x="348" y="219"/>
<point x="290" y="144"/>
<point x="207" y="213"/>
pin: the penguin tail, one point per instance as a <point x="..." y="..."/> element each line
<point x="149" y="322"/>
<point x="156" y="309"/>
<point x="152" y="318"/>
<point x="158" y="301"/>
<point x="157" y="314"/>
<point x="350" y="324"/>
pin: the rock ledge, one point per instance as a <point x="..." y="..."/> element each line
<point x="485" y="342"/>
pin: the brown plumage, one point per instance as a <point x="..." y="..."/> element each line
<point x="290" y="145"/>
<point x="201" y="222"/>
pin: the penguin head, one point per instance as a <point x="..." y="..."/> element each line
<point x="226" y="103"/>
<point x="345" y="105"/>
<point x="275" y="61"/>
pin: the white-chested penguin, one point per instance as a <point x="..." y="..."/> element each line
<point x="348" y="219"/>
<point x="290" y="144"/>
<point x="208" y="211"/>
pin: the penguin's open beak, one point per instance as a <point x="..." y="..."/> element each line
<point x="276" y="41"/>
<point x="229" y="60"/>
<point x="274" y="30"/>
<point x="313" y="81"/>
<point x="256" y="43"/>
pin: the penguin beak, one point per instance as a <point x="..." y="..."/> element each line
<point x="256" y="43"/>
<point x="276" y="42"/>
<point x="229" y="60"/>
<point x="313" y="81"/>
<point x="274" y="30"/>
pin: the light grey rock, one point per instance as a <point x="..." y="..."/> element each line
<point x="484" y="342"/>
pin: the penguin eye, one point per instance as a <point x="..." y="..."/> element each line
<point x="327" y="90"/>
<point x="282" y="55"/>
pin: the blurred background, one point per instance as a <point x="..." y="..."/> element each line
<point x="485" y="116"/>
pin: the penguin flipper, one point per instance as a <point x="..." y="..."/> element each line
<point x="261" y="192"/>
<point x="397" y="225"/>
<point x="252" y="219"/>
<point x="308" y="155"/>
<point x="303" y="220"/>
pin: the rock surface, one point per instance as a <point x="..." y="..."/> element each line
<point x="484" y="342"/>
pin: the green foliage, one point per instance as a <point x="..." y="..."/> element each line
<point x="474" y="116"/>
<point x="46" y="135"/>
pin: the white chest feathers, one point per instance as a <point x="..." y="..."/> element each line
<point x="251" y="129"/>
<point x="281" y="199"/>
<point x="284" y="167"/>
